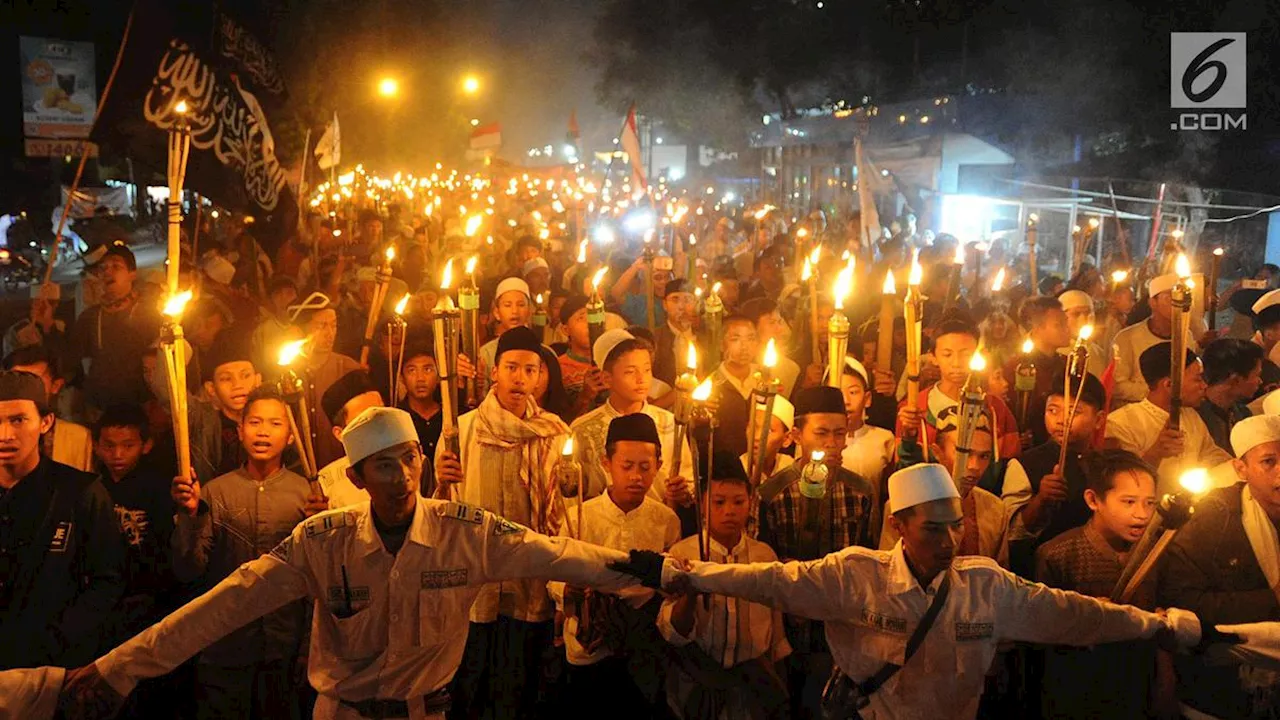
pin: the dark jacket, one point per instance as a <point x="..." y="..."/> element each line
<point x="61" y="568"/>
<point x="1210" y="569"/>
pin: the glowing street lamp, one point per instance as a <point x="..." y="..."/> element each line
<point x="388" y="87"/>
<point x="471" y="84"/>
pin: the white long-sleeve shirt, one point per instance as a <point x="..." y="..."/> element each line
<point x="871" y="602"/>
<point x="394" y="627"/>
<point x="1135" y="428"/>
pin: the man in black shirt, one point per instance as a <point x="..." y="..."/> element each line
<point x="61" y="554"/>
<point x="422" y="401"/>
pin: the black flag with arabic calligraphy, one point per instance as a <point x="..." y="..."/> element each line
<point x="198" y="53"/>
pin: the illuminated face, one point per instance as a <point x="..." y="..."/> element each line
<point x="516" y="378"/>
<point x="21" y="426"/>
<point x="117" y="278"/>
<point x="232" y="382"/>
<point x="773" y="327"/>
<point x="579" y="329"/>
<point x="511" y="310"/>
<point x="391" y="477"/>
<point x="632" y="468"/>
<point x="1083" y="424"/>
<point x="420" y="377"/>
<point x="1125" y="510"/>
<point x="120" y="449"/>
<point x="730" y="503"/>
<point x="631" y="375"/>
<point x="980" y="454"/>
<point x="1078" y="317"/>
<point x="931" y="533"/>
<point x="740" y="345"/>
<point x="1162" y="306"/>
<point x="1052" y="331"/>
<point x="1193" y="384"/>
<point x="953" y="351"/>
<point x="265" y="430"/>
<point x="323" y="329"/>
<point x="855" y="395"/>
<point x="822" y="431"/>
<point x="779" y="433"/>
<point x="680" y="307"/>
<point x="1260" y="467"/>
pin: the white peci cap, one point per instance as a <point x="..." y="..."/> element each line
<point x="511" y="284"/>
<point x="1072" y="299"/>
<point x="377" y="429"/>
<point x="219" y="269"/>
<point x="782" y="409"/>
<point x="608" y="340"/>
<point x="852" y="363"/>
<point x="1254" y="431"/>
<point x="1271" y="299"/>
<point x="533" y="264"/>
<point x="1271" y="403"/>
<point x="920" y="484"/>
<point x="1161" y="283"/>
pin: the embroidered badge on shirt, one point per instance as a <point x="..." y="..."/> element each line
<point x="465" y="513"/>
<point x="281" y="551"/>
<point x="974" y="631"/>
<point x="503" y="526"/>
<point x="359" y="594"/>
<point x="324" y="523"/>
<point x="440" y="579"/>
<point x="61" y="537"/>
<point x="883" y="622"/>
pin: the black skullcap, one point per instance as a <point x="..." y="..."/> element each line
<point x="518" y="338"/>
<point x="636" y="426"/>
<point x="823" y="399"/>
<point x="356" y="382"/>
<point x="571" y="306"/>
<point x="727" y="466"/>
<point x="18" y="385"/>
<point x="1093" y="393"/>
<point x="1156" y="362"/>
<point x="117" y="248"/>
<point x="227" y="349"/>
<point x="674" y="286"/>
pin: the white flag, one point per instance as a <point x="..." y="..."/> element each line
<point x="329" y="148"/>
<point x="630" y="142"/>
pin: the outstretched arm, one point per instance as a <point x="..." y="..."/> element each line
<point x="513" y="552"/>
<point x="825" y="589"/>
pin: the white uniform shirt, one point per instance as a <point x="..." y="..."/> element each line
<point x="871" y="603"/>
<point x="405" y="637"/>
<point x="652" y="526"/>
<point x="1128" y="346"/>
<point x="591" y="429"/>
<point x="732" y="631"/>
<point x="1135" y="428"/>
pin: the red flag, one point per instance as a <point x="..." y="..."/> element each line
<point x="630" y="142"/>
<point x="574" y="132"/>
<point x="486" y="136"/>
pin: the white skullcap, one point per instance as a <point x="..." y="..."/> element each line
<point x="1161" y="283"/>
<point x="219" y="269"/>
<point x="605" y="344"/>
<point x="1270" y="299"/>
<point x="46" y="291"/>
<point x="782" y="409"/>
<point x="1254" y="431"/>
<point x="377" y="429"/>
<point x="533" y="264"/>
<point x="664" y="262"/>
<point x="852" y="363"/>
<point x="1271" y="403"/>
<point x="1075" y="299"/>
<point x="511" y="284"/>
<point x="920" y="484"/>
<point x="30" y="692"/>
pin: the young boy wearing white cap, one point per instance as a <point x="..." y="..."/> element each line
<point x="626" y="364"/>
<point x="868" y="450"/>
<point x="509" y="448"/>
<point x="1224" y="565"/>
<point x="391" y="583"/>
<point x="1131" y="342"/>
<point x="873" y="601"/>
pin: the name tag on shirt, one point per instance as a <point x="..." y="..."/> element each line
<point x="882" y="622"/>
<point x="441" y="579"/>
<point x="974" y="631"/>
<point x="61" y="537"/>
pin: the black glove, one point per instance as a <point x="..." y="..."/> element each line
<point x="643" y="564"/>
<point x="1211" y="635"/>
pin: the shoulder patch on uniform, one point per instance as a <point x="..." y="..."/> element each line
<point x="281" y="551"/>
<point x="464" y="512"/>
<point x="974" y="562"/>
<point x="321" y="524"/>
<point x="503" y="526"/>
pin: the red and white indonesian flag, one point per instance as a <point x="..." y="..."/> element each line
<point x="485" y="137"/>
<point x="630" y="142"/>
<point x="328" y="151"/>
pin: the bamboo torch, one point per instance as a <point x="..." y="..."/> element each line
<point x="953" y="279"/>
<point x="179" y="150"/>
<point x="445" y="319"/>
<point x="1211" y="291"/>
<point x="1033" y="232"/>
<point x="540" y="324"/>
<point x="884" y="336"/>
<point x="569" y="475"/>
<point x="685" y="384"/>
<point x="1172" y="512"/>
<point x="700" y="396"/>
<point x="648" y="269"/>
<point x="396" y="335"/>
<point x="972" y="405"/>
<point x="1181" y="320"/>
<point x="912" y="311"/>
<point x="1077" y="366"/>
<point x="838" y="329"/>
<point x="291" y="387"/>
<point x="595" y="308"/>
<point x="375" y="307"/>
<point x="469" y="306"/>
<point x="175" y="352"/>
<point x="1024" y="381"/>
<point x="713" y="307"/>
<point x="767" y="395"/>
<point x="809" y="276"/>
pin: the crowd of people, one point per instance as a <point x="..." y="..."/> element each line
<point x="429" y="569"/>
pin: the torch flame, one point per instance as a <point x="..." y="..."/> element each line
<point x="173" y="306"/>
<point x="1094" y="223"/>
<point x="977" y="363"/>
<point x="771" y="354"/>
<point x="1195" y="481"/>
<point x="889" y="287"/>
<point x="916" y="276"/>
<point x="1182" y="266"/>
<point x="582" y="251"/>
<point x="391" y="253"/>
<point x="844" y="284"/>
<point x="802" y="232"/>
<point x="538" y="300"/>
<point x="181" y="108"/>
<point x="595" y="279"/>
<point x="998" y="284"/>
<point x="1217" y="251"/>
<point x="1119" y="276"/>
<point x="473" y="224"/>
<point x="715" y="289"/>
<point x="1028" y="346"/>
<point x="447" y="280"/>
<point x="702" y="393"/>
<point x="816" y="255"/>
<point x="290" y="352"/>
<point x="817" y="456"/>
<point x="404" y="302"/>
<point x="691" y="358"/>
<point x="1086" y="332"/>
<point x="471" y="265"/>
<point x="806" y="272"/>
<point x="568" y="447"/>
<point x="959" y="258"/>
